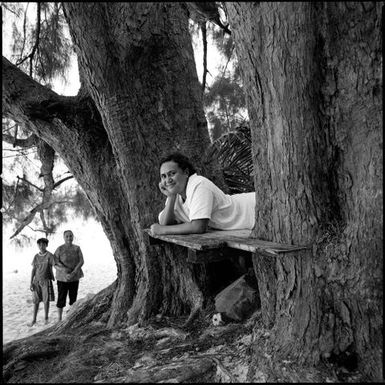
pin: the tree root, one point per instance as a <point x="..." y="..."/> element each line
<point x="21" y="352"/>
<point x="90" y="310"/>
<point x="194" y="314"/>
<point x="183" y="371"/>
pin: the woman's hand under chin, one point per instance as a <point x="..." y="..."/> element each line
<point x="165" y="191"/>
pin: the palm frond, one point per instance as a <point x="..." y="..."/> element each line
<point x="233" y="151"/>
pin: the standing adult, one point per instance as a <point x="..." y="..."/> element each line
<point x="68" y="263"/>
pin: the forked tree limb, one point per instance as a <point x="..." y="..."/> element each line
<point x="30" y="183"/>
<point x="208" y="11"/>
<point x="29" y="142"/>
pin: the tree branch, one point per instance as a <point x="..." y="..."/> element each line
<point x="36" y="45"/>
<point x="46" y="230"/>
<point x="61" y="181"/>
<point x="52" y="118"/>
<point x="29" y="218"/>
<point x="19" y="89"/>
<point x="204" y="40"/>
<point x="42" y="218"/>
<point x="35" y="106"/>
<point x="228" y="61"/>
<point x="46" y="155"/>
<point x="34" y="49"/>
<point x="24" y="30"/>
<point x="19" y="153"/>
<point x="29" y="142"/>
<point x="28" y="182"/>
<point x="208" y="11"/>
<point x="15" y="138"/>
<point x="9" y="9"/>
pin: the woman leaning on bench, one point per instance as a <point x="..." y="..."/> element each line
<point x="194" y="203"/>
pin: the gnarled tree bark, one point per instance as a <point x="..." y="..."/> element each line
<point x="313" y="80"/>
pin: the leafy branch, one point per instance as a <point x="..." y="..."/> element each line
<point x="36" y="45"/>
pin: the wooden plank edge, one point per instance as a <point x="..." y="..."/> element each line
<point x="159" y="239"/>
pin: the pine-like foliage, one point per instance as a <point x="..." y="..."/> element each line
<point x="40" y="45"/>
<point x="55" y="51"/>
<point x="224" y="100"/>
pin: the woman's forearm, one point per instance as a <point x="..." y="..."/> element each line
<point x="78" y="266"/>
<point x="167" y="217"/>
<point x="197" y="226"/>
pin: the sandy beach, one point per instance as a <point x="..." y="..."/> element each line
<point x="99" y="271"/>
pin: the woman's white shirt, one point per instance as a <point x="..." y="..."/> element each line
<point x="204" y="200"/>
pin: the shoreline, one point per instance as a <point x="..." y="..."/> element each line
<point x="18" y="306"/>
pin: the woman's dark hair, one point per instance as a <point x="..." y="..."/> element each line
<point x="42" y="240"/>
<point x="182" y="161"/>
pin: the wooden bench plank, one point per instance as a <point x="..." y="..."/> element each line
<point x="192" y="241"/>
<point x="253" y="245"/>
<point x="236" y="239"/>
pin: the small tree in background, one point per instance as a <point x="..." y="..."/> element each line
<point x="224" y="99"/>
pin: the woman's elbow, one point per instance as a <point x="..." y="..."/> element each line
<point x="169" y="222"/>
<point x="200" y="227"/>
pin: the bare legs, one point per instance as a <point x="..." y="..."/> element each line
<point x="46" y="310"/>
<point x="35" y="310"/>
<point x="59" y="313"/>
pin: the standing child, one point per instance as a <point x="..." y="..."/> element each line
<point x="41" y="279"/>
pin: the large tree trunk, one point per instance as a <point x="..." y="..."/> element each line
<point x="312" y="74"/>
<point x="137" y="65"/>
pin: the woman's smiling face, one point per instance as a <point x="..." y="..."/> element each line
<point x="68" y="237"/>
<point x="173" y="178"/>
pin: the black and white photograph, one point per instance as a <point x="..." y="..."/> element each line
<point x="192" y="192"/>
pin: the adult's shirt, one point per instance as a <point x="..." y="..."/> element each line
<point x="66" y="259"/>
<point x="204" y="200"/>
